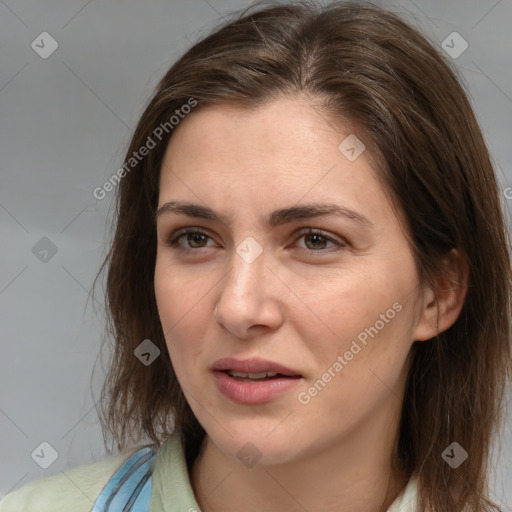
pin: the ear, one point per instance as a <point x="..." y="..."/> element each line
<point x="441" y="307"/>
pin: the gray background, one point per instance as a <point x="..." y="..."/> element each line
<point x="65" y="122"/>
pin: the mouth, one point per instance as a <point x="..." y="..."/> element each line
<point x="254" y="368"/>
<point x="253" y="381"/>
<point x="259" y="376"/>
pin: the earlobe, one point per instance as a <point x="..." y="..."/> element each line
<point x="442" y="306"/>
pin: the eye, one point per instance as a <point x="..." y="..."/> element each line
<point x="317" y="239"/>
<point x="196" y="239"/>
<point x="193" y="236"/>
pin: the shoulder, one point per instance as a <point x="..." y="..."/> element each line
<point x="73" y="490"/>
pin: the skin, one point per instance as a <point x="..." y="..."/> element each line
<point x="300" y="303"/>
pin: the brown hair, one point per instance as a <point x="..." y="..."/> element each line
<point x="364" y="64"/>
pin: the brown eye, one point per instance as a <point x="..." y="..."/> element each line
<point x="315" y="241"/>
<point x="194" y="239"/>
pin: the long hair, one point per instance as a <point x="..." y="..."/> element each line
<point x="364" y="64"/>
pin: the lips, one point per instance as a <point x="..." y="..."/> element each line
<point x="253" y="366"/>
<point x="254" y="381"/>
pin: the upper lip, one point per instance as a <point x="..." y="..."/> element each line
<point x="253" y="365"/>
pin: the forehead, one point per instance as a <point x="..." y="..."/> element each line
<point x="282" y="136"/>
<point x="284" y="152"/>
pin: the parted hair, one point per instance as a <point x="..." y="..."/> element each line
<point x="361" y="63"/>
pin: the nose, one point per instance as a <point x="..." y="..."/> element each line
<point x="249" y="299"/>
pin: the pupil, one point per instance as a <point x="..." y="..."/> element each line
<point x="317" y="237"/>
<point x="195" y="237"/>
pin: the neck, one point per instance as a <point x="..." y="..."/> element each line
<point x="354" y="475"/>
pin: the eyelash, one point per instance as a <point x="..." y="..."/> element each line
<point x="174" y="238"/>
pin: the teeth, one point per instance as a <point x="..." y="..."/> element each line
<point x="260" y="375"/>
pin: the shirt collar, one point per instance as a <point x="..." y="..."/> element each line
<point x="172" y="490"/>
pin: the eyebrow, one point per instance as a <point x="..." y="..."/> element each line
<point x="275" y="218"/>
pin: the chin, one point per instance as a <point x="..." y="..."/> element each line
<point x="256" y="447"/>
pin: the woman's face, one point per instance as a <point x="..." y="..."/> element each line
<point x="338" y="308"/>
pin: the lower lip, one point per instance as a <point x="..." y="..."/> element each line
<point x="255" y="392"/>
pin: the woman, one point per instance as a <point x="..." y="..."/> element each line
<point x="309" y="284"/>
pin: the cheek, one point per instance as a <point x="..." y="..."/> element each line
<point x="181" y="302"/>
<point x="367" y="316"/>
<point x="179" y="293"/>
<point x="363" y="366"/>
<point x="334" y="312"/>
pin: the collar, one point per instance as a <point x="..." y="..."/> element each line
<point x="172" y="489"/>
